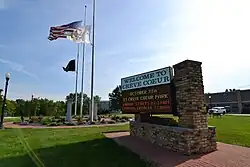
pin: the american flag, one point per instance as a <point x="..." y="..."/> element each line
<point x="63" y="31"/>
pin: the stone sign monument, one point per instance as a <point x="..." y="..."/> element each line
<point x="161" y="92"/>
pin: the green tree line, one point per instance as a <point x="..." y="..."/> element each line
<point x="44" y="106"/>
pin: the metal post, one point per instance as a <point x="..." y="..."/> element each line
<point x="83" y="54"/>
<point x="92" y="68"/>
<point x="77" y="63"/>
<point x="4" y="98"/>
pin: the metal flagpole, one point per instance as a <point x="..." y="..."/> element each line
<point x="92" y="68"/>
<point x="77" y="62"/>
<point x="83" y="54"/>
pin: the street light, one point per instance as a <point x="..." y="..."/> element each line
<point x="210" y="101"/>
<point x="7" y="78"/>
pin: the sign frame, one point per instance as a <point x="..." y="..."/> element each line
<point x="166" y="105"/>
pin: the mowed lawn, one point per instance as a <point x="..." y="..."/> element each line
<point x="88" y="146"/>
<point x="232" y="129"/>
<point x="64" y="147"/>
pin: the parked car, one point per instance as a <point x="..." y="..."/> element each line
<point x="217" y="110"/>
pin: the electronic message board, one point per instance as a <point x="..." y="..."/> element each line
<point x="149" y="92"/>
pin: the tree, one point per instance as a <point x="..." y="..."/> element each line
<point x="20" y="104"/>
<point x="115" y="98"/>
<point x="10" y="107"/>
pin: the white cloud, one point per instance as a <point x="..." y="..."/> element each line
<point x="18" y="67"/>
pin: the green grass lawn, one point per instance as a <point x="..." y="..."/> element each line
<point x="64" y="147"/>
<point x="88" y="147"/>
<point x="232" y="129"/>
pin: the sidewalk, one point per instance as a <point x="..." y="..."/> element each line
<point x="226" y="155"/>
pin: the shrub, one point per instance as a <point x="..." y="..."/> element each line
<point x="81" y="123"/>
<point x="34" y="120"/>
<point x="123" y="120"/>
<point x="111" y="122"/>
<point x="103" y="121"/>
<point x="124" y="117"/>
<point x="115" y="118"/>
<point x="46" y="120"/>
<point x="69" y="123"/>
<point x="53" y="124"/>
<point x="99" y="118"/>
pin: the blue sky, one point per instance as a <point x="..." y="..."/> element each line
<point x="132" y="36"/>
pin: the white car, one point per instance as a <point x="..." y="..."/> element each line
<point x="217" y="110"/>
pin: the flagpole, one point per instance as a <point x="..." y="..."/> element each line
<point x="83" y="55"/>
<point x="92" y="68"/>
<point x="77" y="63"/>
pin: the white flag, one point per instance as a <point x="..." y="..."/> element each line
<point x="81" y="35"/>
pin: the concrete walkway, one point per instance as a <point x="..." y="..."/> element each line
<point x="226" y="155"/>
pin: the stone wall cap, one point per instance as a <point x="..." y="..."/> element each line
<point x="187" y="61"/>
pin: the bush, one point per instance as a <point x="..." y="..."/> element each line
<point x="123" y="120"/>
<point x="69" y="123"/>
<point x="46" y="120"/>
<point x="111" y="122"/>
<point x="53" y="124"/>
<point x="115" y="118"/>
<point x="34" y="120"/>
<point x="81" y="123"/>
<point x="103" y="121"/>
<point x="99" y="118"/>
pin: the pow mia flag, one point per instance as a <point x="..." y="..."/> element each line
<point x="71" y="66"/>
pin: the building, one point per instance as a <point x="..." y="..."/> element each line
<point x="237" y="101"/>
<point x="105" y="105"/>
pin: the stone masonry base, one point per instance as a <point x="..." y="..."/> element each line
<point x="184" y="140"/>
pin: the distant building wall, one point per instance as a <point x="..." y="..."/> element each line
<point x="238" y="100"/>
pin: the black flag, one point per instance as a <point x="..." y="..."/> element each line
<point x="71" y="66"/>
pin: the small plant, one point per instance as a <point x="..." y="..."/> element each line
<point x="111" y="122"/>
<point x="115" y="118"/>
<point x="46" y="120"/>
<point x="103" y="121"/>
<point x="99" y="118"/>
<point x="69" y="123"/>
<point x="123" y="120"/>
<point x="34" y="120"/>
<point x="53" y="124"/>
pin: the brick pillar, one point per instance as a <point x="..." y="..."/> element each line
<point x="190" y="94"/>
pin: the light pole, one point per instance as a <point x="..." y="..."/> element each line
<point x="7" y="78"/>
<point x="210" y="106"/>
